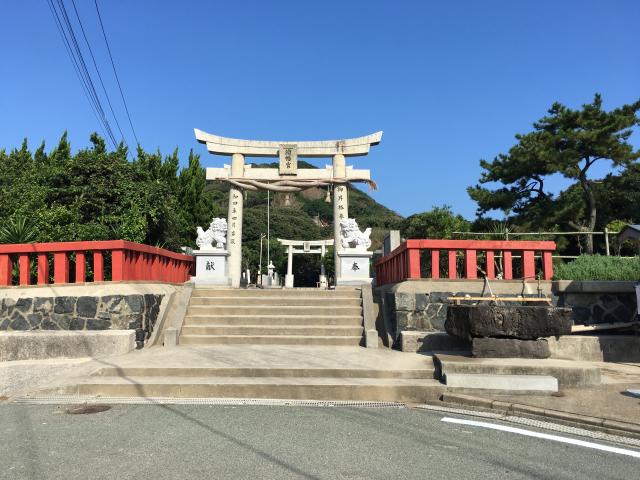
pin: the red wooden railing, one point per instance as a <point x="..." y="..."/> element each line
<point x="128" y="260"/>
<point x="404" y="262"/>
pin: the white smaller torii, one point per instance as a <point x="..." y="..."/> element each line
<point x="307" y="246"/>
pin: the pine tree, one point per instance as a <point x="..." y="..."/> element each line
<point x="568" y="142"/>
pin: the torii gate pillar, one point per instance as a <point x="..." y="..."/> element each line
<point x="234" y="235"/>
<point x="340" y="208"/>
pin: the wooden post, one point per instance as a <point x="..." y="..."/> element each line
<point x="491" y="266"/>
<point x="507" y="265"/>
<point x="25" y="269"/>
<point x="470" y="264"/>
<point x="43" y="269"/>
<point x="81" y="267"/>
<point x="435" y="264"/>
<point x="118" y="273"/>
<point x="547" y="265"/>
<point x="414" y="263"/>
<point x="528" y="264"/>
<point x="98" y="266"/>
<point x="5" y="269"/>
<point x="452" y="264"/>
<point x="61" y="267"/>
<point x="155" y="267"/>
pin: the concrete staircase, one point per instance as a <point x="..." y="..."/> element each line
<point x="264" y="372"/>
<point x="273" y="317"/>
<point x="266" y="344"/>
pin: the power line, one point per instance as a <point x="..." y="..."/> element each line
<point x="116" y="73"/>
<point x="74" y="63"/>
<point x="85" y="71"/>
<point x="98" y="72"/>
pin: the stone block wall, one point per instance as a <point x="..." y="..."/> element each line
<point x="421" y="305"/>
<point x="137" y="312"/>
<point x="591" y="308"/>
<point x="417" y="311"/>
<point x="425" y="311"/>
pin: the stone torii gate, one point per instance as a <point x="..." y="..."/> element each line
<point x="287" y="178"/>
<point x="307" y="246"/>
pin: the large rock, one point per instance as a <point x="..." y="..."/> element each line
<point x="510" y="348"/>
<point x="523" y="322"/>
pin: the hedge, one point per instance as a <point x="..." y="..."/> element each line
<point x="598" y="267"/>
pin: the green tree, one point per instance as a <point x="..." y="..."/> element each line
<point x="439" y="222"/>
<point x="568" y="142"/>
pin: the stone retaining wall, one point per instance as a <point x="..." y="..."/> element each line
<point x="421" y="305"/>
<point x="110" y="312"/>
<point x="597" y="302"/>
<point x="89" y="307"/>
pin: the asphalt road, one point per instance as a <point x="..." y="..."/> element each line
<point x="201" y="441"/>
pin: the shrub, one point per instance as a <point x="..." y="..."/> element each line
<point x="598" y="267"/>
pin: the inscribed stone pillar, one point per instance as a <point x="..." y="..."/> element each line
<point x="340" y="206"/>
<point x="234" y="236"/>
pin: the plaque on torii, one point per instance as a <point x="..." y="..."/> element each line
<point x="287" y="178"/>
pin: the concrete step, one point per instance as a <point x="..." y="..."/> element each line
<point x="269" y="340"/>
<point x="305" y="330"/>
<point x="505" y="384"/>
<point x="289" y="293"/>
<point x="371" y="389"/>
<point x="568" y="372"/>
<point x="253" y="372"/>
<point x="277" y="301"/>
<point x="271" y="309"/>
<point x="317" y="320"/>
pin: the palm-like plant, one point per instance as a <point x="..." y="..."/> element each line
<point x="18" y="229"/>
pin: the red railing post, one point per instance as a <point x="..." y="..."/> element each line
<point x="452" y="264"/>
<point x="507" y="264"/>
<point x="60" y="267"/>
<point x="6" y="267"/>
<point x="435" y="264"/>
<point x="528" y="264"/>
<point x="139" y="265"/>
<point x="470" y="264"/>
<point x="547" y="265"/>
<point x="43" y="269"/>
<point x="98" y="266"/>
<point x="491" y="266"/>
<point x="155" y="268"/>
<point x="414" y="263"/>
<point x="25" y="269"/>
<point x="81" y="267"/>
<point x="146" y="269"/>
<point x="118" y="270"/>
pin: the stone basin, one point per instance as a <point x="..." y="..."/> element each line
<point x="523" y="322"/>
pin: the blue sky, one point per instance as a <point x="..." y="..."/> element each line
<point x="448" y="82"/>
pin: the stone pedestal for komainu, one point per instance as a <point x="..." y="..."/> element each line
<point x="498" y="331"/>
<point x="352" y="254"/>
<point x="211" y="261"/>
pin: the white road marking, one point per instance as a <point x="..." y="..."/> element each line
<point x="546" y="436"/>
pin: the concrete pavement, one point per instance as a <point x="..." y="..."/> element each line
<point x="202" y="441"/>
